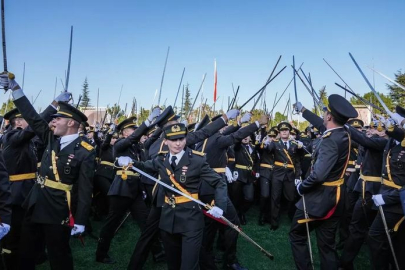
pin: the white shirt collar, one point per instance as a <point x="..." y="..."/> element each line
<point x="178" y="156"/>
<point x="331" y="129"/>
<point x="67" y="139"/>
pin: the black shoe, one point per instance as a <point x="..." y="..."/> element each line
<point x="159" y="257"/>
<point x="273" y="227"/>
<point x="235" y="266"/>
<point x="243" y="219"/>
<point x="105" y="260"/>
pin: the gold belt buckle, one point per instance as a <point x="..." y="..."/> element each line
<point x="285" y="165"/>
<point x="41" y="181"/>
<point x="172" y="202"/>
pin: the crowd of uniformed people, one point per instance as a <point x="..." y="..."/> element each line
<point x="338" y="177"/>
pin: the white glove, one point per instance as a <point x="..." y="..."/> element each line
<point x="228" y="175"/>
<point x="297" y="182"/>
<point x="97" y="127"/>
<point x="4" y="229"/>
<point x="216" y="212"/>
<point x="300" y="144"/>
<point x="124" y="161"/>
<point x="378" y="200"/>
<point x="7" y="81"/>
<point x="246" y="117"/>
<point x="112" y="129"/>
<point x="235" y="175"/>
<point x="298" y="106"/>
<point x="155" y="113"/>
<point x="397" y="118"/>
<point x="77" y="229"/>
<point x="64" y="96"/>
<point x="232" y="114"/>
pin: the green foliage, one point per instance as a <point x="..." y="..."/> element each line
<point x="85" y="102"/>
<point x="396" y="93"/>
<point x="372" y="98"/>
<point x="7" y="106"/>
<point x="187" y="102"/>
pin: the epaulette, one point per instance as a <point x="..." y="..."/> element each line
<point x="276" y="140"/>
<point x="86" y="145"/>
<point x="327" y="134"/>
<point x="198" y="153"/>
<point x="163" y="152"/>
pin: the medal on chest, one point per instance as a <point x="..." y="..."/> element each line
<point x="183" y="177"/>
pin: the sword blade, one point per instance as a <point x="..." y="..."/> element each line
<point x="371" y="87"/>
<point x="391" y="80"/>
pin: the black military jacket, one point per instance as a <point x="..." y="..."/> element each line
<point x="215" y="148"/>
<point x="5" y="198"/>
<point x="190" y="171"/>
<point x="129" y="146"/>
<point x="372" y="159"/>
<point x="106" y="154"/>
<point x="145" y="152"/>
<point x="394" y="155"/>
<point x="329" y="161"/>
<point x="245" y="158"/>
<point x="75" y="166"/>
<point x="20" y="157"/>
<point x="276" y="147"/>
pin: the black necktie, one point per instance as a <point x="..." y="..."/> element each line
<point x="285" y="145"/>
<point x="173" y="162"/>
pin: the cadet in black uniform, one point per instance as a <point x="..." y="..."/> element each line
<point x="393" y="179"/>
<point x="168" y="117"/>
<point x="67" y="164"/>
<point x="367" y="185"/>
<point x="242" y="189"/>
<point x="322" y="189"/>
<point x="21" y="161"/>
<point x="286" y="170"/>
<point x="5" y="206"/>
<point x="125" y="192"/>
<point x="266" y="176"/>
<point x="105" y="172"/>
<point x="182" y="220"/>
<point x="215" y="148"/>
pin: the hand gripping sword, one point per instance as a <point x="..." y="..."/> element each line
<point x="371" y="87"/>
<point x="207" y="206"/>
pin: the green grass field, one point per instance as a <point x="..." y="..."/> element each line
<point x="276" y="243"/>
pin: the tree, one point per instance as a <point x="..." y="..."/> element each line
<point x="370" y="97"/>
<point x="187" y="102"/>
<point x="7" y="106"/>
<point x="396" y="93"/>
<point x="323" y="95"/>
<point x="85" y="95"/>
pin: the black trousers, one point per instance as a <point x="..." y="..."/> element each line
<point x="381" y="255"/>
<point x="100" y="200"/>
<point x="242" y="196"/>
<point x="363" y="216"/>
<point x="182" y="249"/>
<point x="145" y="241"/>
<point x="56" y="240"/>
<point x="280" y="187"/>
<point x="351" y="198"/>
<point x="230" y="237"/>
<point x="118" y="207"/>
<point x="12" y="240"/>
<point x="264" y="195"/>
<point x="325" y="237"/>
